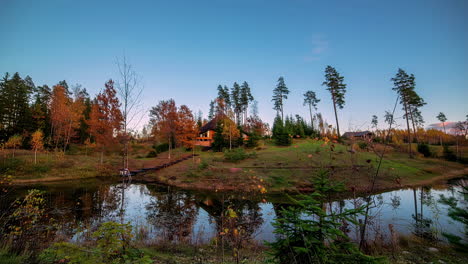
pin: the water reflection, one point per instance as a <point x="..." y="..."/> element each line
<point x="164" y="213"/>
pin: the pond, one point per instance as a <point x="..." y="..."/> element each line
<point x="162" y="213"/>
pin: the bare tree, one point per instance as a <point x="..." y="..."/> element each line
<point x="129" y="91"/>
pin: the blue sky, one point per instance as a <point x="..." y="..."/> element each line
<point x="184" y="49"/>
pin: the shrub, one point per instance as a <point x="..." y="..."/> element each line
<point x="152" y="154"/>
<point x="424" y="149"/>
<point x="362" y="145"/>
<point x="112" y="246"/>
<point x="283" y="140"/>
<point x="448" y="154"/>
<point x="309" y="234"/>
<point x="11" y="165"/>
<point x="235" y="155"/>
<point x="253" y="140"/>
<point x="161" y="148"/>
<point x="203" y="165"/>
<point x="37" y="169"/>
<point x="12" y="258"/>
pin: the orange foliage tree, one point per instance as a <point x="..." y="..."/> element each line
<point x="37" y="143"/>
<point x="172" y="125"/>
<point x="65" y="114"/>
<point x="186" y="127"/>
<point x="105" y="118"/>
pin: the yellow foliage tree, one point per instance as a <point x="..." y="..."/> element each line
<point x="14" y="142"/>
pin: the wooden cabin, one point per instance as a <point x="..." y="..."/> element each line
<point x="207" y="132"/>
<point x="358" y="135"/>
<point x="206" y="136"/>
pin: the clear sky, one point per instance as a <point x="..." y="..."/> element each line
<point x="184" y="49"/>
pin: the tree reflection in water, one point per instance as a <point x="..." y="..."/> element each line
<point x="173" y="214"/>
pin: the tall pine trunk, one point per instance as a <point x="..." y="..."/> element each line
<point x="311" y="119"/>
<point x="409" y="131"/>
<point x="336" y="117"/>
<point x="412" y="122"/>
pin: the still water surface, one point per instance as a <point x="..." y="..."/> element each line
<point x="164" y="213"/>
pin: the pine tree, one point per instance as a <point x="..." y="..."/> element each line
<point x="311" y="100"/>
<point x="337" y="89"/>
<point x="40" y="110"/>
<point x="236" y="101"/>
<point x="280" y="93"/>
<point x="15" y="112"/>
<point x="404" y="86"/>
<point x="374" y="121"/>
<point x="211" y="111"/>
<point x="245" y="98"/>
<point x="442" y="118"/>
<point x="280" y="133"/>
<point x="223" y="93"/>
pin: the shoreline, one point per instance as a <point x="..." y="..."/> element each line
<point x="229" y="187"/>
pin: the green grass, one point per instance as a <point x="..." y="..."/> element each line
<point x="286" y="167"/>
<point x="11" y="258"/>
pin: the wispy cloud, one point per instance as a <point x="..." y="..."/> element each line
<point x="319" y="46"/>
<point x="449" y="127"/>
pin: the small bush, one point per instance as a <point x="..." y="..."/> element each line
<point x="362" y="145"/>
<point x="161" y="148"/>
<point x="235" y="155"/>
<point x="152" y="154"/>
<point x="11" y="257"/>
<point x="253" y="140"/>
<point x="203" y="165"/>
<point x="37" y="169"/>
<point x="10" y="164"/>
<point x="112" y="245"/>
<point x="283" y="140"/>
<point x="424" y="149"/>
<point x="448" y="154"/>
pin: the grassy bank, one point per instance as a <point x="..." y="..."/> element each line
<point x="290" y="168"/>
<point x="407" y="250"/>
<point x="271" y="167"/>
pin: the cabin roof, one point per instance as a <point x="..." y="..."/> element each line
<point x="211" y="125"/>
<point x="357" y="134"/>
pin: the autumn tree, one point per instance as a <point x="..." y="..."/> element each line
<point x="226" y="133"/>
<point x="65" y="115"/>
<point x="280" y="93"/>
<point x="37" y="143"/>
<point x="337" y="89"/>
<point x="59" y="113"/>
<point x="163" y="118"/>
<point x="311" y="100"/>
<point x="105" y="118"/>
<point x="186" y="127"/>
<point x="14" y="142"/>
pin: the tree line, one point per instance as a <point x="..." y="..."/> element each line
<point x="40" y="117"/>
